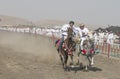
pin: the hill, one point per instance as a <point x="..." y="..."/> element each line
<point x="115" y="29"/>
<point x="13" y="21"/>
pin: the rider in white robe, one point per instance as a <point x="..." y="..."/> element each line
<point x="83" y="32"/>
<point x="64" y="30"/>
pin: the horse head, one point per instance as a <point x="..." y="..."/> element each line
<point x="69" y="41"/>
<point x="70" y="33"/>
<point x="88" y="45"/>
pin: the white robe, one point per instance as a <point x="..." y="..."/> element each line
<point x="83" y="38"/>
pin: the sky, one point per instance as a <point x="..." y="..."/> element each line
<point x="95" y="12"/>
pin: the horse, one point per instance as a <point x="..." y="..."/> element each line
<point x="68" y="47"/>
<point x="87" y="53"/>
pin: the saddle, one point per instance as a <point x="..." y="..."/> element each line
<point x="64" y="46"/>
<point x="57" y="43"/>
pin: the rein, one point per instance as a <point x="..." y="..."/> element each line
<point x="69" y="49"/>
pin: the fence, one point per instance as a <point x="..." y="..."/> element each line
<point x="112" y="50"/>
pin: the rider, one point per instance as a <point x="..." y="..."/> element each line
<point x="83" y="32"/>
<point x="64" y="31"/>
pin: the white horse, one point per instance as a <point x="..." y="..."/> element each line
<point x="88" y="53"/>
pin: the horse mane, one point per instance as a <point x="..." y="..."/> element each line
<point x="69" y="40"/>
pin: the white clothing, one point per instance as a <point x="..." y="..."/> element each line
<point x="96" y="39"/>
<point x="110" y="38"/>
<point x="77" y="31"/>
<point x="65" y="28"/>
<point x="81" y="44"/>
<point x="84" y="31"/>
<point x="83" y="36"/>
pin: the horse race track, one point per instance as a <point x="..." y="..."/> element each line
<point x="24" y="56"/>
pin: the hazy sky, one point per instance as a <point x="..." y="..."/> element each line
<point x="98" y="12"/>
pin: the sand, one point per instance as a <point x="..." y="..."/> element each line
<point x="25" y="56"/>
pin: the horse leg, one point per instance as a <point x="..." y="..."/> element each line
<point x="62" y="59"/>
<point x="78" y="61"/>
<point x="92" y="60"/>
<point x="89" y="60"/>
<point x="78" y="54"/>
<point x="71" y="57"/>
<point x="86" y="66"/>
<point x="65" y="60"/>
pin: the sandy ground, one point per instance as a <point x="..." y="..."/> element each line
<point x="24" y="56"/>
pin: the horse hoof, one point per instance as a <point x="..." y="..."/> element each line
<point x="86" y="69"/>
<point x="91" y="64"/>
<point x="72" y="66"/>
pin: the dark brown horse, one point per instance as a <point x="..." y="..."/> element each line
<point x="67" y="49"/>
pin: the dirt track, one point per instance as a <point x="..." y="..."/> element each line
<point x="29" y="57"/>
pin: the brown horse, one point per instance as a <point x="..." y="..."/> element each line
<point x="67" y="49"/>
